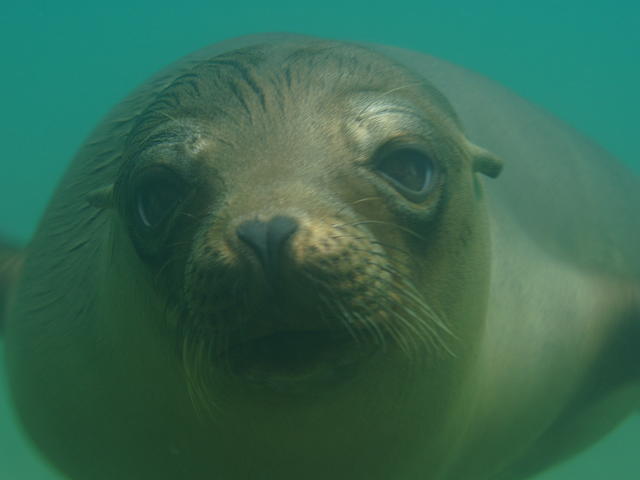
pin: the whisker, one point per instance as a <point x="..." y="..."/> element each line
<point x="390" y="224"/>
<point x="390" y="246"/>
<point x="408" y="291"/>
<point x="332" y="305"/>
<point x="191" y="215"/>
<point x="356" y="202"/>
<point x="371" y="325"/>
<point x="414" y="293"/>
<point x="357" y="223"/>
<point x="393" y="304"/>
<point x="403" y="263"/>
<point x="375" y="242"/>
<point x="168" y="262"/>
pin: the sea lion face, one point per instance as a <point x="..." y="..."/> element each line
<point x="303" y="215"/>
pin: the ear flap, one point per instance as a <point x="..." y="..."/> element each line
<point x="101" y="197"/>
<point x="483" y="161"/>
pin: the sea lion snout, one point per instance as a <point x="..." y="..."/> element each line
<point x="267" y="239"/>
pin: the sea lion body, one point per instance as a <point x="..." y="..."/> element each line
<point x="278" y="259"/>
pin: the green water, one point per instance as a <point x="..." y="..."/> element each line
<point x="65" y="63"/>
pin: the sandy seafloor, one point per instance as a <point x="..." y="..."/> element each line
<point x="65" y="63"/>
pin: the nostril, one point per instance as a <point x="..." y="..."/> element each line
<point x="267" y="239"/>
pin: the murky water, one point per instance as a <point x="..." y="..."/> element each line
<point x="64" y="65"/>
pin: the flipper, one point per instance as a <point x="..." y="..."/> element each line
<point x="10" y="264"/>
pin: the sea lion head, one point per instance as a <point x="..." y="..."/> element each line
<point x="302" y="209"/>
<point x="282" y="268"/>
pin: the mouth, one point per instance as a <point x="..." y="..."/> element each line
<point x="288" y="360"/>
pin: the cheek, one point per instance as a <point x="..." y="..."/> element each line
<point x="455" y="267"/>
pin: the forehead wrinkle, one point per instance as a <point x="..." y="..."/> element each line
<point x="260" y="89"/>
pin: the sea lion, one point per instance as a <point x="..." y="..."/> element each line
<point x="280" y="259"/>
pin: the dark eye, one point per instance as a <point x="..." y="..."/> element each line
<point x="409" y="170"/>
<point x="156" y="196"/>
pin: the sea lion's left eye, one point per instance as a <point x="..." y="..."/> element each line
<point x="409" y="170"/>
<point x="156" y="195"/>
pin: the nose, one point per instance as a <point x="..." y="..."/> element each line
<point x="267" y="239"/>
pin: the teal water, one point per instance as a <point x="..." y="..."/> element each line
<point x="64" y="64"/>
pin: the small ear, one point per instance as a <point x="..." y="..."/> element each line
<point x="101" y="197"/>
<point x="485" y="162"/>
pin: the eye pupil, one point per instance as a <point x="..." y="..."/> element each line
<point x="408" y="169"/>
<point x="155" y="200"/>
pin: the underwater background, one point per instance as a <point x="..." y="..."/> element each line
<point x="65" y="63"/>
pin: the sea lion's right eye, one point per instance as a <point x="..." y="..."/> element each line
<point x="156" y="195"/>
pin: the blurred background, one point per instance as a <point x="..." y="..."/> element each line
<point x="65" y="63"/>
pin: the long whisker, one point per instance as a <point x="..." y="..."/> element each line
<point x="171" y="260"/>
<point x="383" y="255"/>
<point x="390" y="224"/>
<point x="356" y="202"/>
<point x="370" y="325"/>
<point x="419" y="327"/>
<point x="358" y="223"/>
<point x="335" y="304"/>
<point x="382" y="244"/>
<point x="408" y="292"/>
